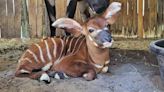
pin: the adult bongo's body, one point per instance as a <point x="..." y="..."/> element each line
<point x="87" y="9"/>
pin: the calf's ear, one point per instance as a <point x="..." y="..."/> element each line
<point x="68" y="25"/>
<point x="111" y="12"/>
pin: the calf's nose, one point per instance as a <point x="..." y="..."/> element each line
<point x="105" y="36"/>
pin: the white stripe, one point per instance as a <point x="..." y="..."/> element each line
<point x="105" y="69"/>
<point x="70" y="45"/>
<point x="107" y="62"/>
<point x="60" y="56"/>
<point x="48" y="50"/>
<point x="22" y="57"/>
<point x="24" y="71"/>
<point x="44" y="77"/>
<point x="62" y="42"/>
<point x="98" y="66"/>
<point x="76" y="43"/>
<point x="28" y="60"/>
<point x="66" y="76"/>
<point x="47" y="66"/>
<point x="66" y="41"/>
<point x="57" y="76"/>
<point x="33" y="54"/>
<point x="93" y="41"/>
<point x="80" y="45"/>
<point x="90" y="38"/>
<point x="41" y="53"/>
<point x="60" y="59"/>
<point x="54" y="51"/>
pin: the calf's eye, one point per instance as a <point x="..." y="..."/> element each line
<point x="91" y="30"/>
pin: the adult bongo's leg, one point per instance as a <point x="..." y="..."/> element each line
<point x="51" y="10"/>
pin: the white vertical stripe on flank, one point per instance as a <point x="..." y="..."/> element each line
<point x="143" y="11"/>
<point x="28" y="60"/>
<point x="66" y="41"/>
<point x="80" y="45"/>
<point x="62" y="43"/>
<point x="60" y="56"/>
<point x="73" y="50"/>
<point x="48" y="50"/>
<point x="55" y="46"/>
<point x="70" y="45"/>
<point x="41" y="53"/>
<point x="33" y="54"/>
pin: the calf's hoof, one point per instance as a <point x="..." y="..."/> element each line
<point x="58" y="75"/>
<point x="105" y="69"/>
<point x="45" y="78"/>
<point x="89" y="76"/>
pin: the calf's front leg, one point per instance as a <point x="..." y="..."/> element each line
<point x="105" y="69"/>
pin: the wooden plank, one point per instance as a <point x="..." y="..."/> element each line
<point x="146" y="17"/>
<point x="124" y="18"/>
<point x="127" y="25"/>
<point x="24" y="21"/>
<point x="61" y="8"/>
<point x="162" y="33"/>
<point x="160" y="20"/>
<point x="36" y="18"/>
<point x="17" y="18"/>
<point x="2" y="17"/>
<point x="39" y="18"/>
<point x="130" y="18"/>
<point x="46" y="27"/>
<point x="10" y="25"/>
<point x="153" y="32"/>
<point x="140" y="18"/>
<point x="134" y="30"/>
<point x="32" y="17"/>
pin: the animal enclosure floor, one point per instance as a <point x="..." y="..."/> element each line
<point x="132" y="69"/>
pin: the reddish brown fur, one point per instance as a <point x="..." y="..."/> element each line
<point x="74" y="65"/>
<point x="77" y="56"/>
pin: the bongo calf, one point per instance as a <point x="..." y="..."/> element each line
<point x="82" y="56"/>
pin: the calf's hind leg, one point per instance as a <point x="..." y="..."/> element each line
<point x="77" y="68"/>
<point x="39" y="75"/>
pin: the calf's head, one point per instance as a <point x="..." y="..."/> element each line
<point x="96" y="29"/>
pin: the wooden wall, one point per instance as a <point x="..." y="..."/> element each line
<point x="138" y="18"/>
<point x="10" y="18"/>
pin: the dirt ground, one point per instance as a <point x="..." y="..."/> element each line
<point x="133" y="69"/>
